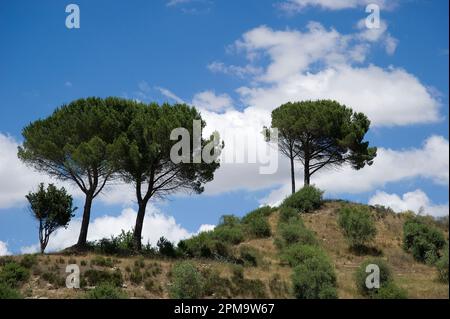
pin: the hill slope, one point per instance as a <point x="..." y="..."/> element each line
<point x="267" y="277"/>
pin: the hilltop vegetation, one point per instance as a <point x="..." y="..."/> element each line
<point x="269" y="253"/>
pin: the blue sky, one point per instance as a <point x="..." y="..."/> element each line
<point x="146" y="49"/>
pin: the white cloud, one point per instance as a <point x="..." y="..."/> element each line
<point x="16" y="179"/>
<point x="293" y="6"/>
<point x="156" y="225"/>
<point x="239" y="71"/>
<point x="68" y="84"/>
<point x="167" y="93"/>
<point x="4" y="249"/>
<point x="429" y="162"/>
<point x="415" y="201"/>
<point x="209" y="100"/>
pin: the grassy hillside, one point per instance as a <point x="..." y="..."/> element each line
<point x="262" y="274"/>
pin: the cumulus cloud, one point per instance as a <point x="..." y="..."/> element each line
<point x="4" y="249"/>
<point x="16" y="179"/>
<point x="430" y="162"/>
<point x="156" y="225"/>
<point x="209" y="100"/>
<point x="416" y="201"/>
<point x="169" y="94"/>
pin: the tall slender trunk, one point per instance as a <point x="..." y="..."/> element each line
<point x="292" y="174"/>
<point x="85" y="222"/>
<point x="307" y="180"/>
<point x="139" y="225"/>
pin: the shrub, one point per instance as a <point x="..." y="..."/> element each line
<point x="249" y="256"/>
<point x="106" y="291"/>
<point x="257" y="226"/>
<point x="28" y="261"/>
<point x="296" y="254"/>
<point x="204" y="245"/>
<point x="357" y="225"/>
<point x="361" y="276"/>
<point x="264" y="212"/>
<point x="422" y="240"/>
<point x="120" y="245"/>
<point x="187" y="282"/>
<point x="102" y="261"/>
<point x="233" y="235"/>
<point x="296" y="232"/>
<point x="390" y="291"/>
<point x="442" y="266"/>
<point x="54" y="279"/>
<point x="314" y="278"/>
<point x="6" y="292"/>
<point x="287" y="214"/>
<point x="305" y="200"/>
<point x="13" y="274"/>
<point x="214" y="285"/>
<point x="136" y="276"/>
<point x="97" y="277"/>
<point x="166" y="248"/>
<point x="278" y="287"/>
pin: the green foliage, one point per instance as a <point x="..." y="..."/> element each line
<point x="74" y="144"/>
<point x="386" y="279"/>
<point x="28" y="261"/>
<point x="295" y="232"/>
<point x="278" y="287"/>
<point x="102" y="262"/>
<point x="13" y="274"/>
<point x="298" y="253"/>
<point x="205" y="245"/>
<point x="106" y="291"/>
<point x="442" y="266"/>
<point x="305" y="200"/>
<point x="250" y="256"/>
<point x="230" y="230"/>
<point x="52" y="208"/>
<point x="54" y="278"/>
<point x="323" y="133"/>
<point x="422" y="240"/>
<point x="96" y="277"/>
<point x="357" y="225"/>
<point x="166" y="248"/>
<point x="390" y="291"/>
<point x="122" y="245"/>
<point x="265" y="212"/>
<point x="6" y="292"/>
<point x="287" y="214"/>
<point x="187" y="282"/>
<point x="257" y="226"/>
<point x="314" y="278"/>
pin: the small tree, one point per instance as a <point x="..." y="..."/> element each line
<point x="357" y="225"/>
<point x="73" y="145"/>
<point x="321" y="134"/>
<point x="52" y="207"/>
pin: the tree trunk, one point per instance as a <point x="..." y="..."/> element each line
<point x="139" y="225"/>
<point x="307" y="180"/>
<point x="85" y="222"/>
<point x="292" y="174"/>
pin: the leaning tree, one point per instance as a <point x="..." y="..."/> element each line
<point x="73" y="144"/>
<point x="52" y="208"/>
<point x="322" y="134"/>
<point x="144" y="154"/>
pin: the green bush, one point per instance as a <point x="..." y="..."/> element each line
<point x="287" y="214"/>
<point x="233" y="235"/>
<point x="314" y="278"/>
<point x="442" y="266"/>
<point x="357" y="225"/>
<point x="204" y="245"/>
<point x="97" y="277"/>
<point x="305" y="200"/>
<point x="106" y="291"/>
<point x="422" y="240"/>
<point x="6" y="292"/>
<point x="249" y="256"/>
<point x="28" y="261"/>
<point x="102" y="262"/>
<point x="265" y="211"/>
<point x="54" y="278"/>
<point x="297" y="254"/>
<point x="166" y="248"/>
<point x="257" y="226"/>
<point x="121" y="245"/>
<point x="13" y="274"/>
<point x="388" y="289"/>
<point x="187" y="282"/>
<point x="295" y="232"/>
